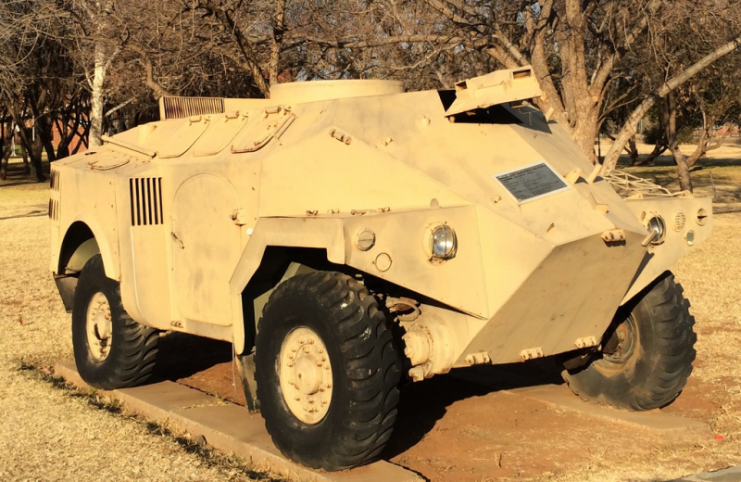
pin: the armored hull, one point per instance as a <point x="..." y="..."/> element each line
<point x="200" y="216"/>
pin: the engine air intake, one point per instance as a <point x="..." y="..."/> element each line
<point x="182" y="107"/>
<point x="146" y="201"/>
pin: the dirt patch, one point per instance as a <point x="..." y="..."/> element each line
<point x="452" y="430"/>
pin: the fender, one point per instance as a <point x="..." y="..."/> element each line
<point x="682" y="215"/>
<point x="108" y="251"/>
<point x="316" y="232"/>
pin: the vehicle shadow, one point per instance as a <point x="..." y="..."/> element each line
<point x="423" y="404"/>
<point x="182" y="355"/>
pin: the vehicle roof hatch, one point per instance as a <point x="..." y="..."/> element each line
<point x="495" y="88"/>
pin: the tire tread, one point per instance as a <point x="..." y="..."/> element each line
<point x="666" y="364"/>
<point x="370" y="368"/>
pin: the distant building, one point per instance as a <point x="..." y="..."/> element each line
<point x="730" y="130"/>
<point x="7" y="124"/>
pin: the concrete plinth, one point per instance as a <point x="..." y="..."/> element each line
<point x="731" y="474"/>
<point x="228" y="428"/>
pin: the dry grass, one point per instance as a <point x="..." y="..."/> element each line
<point x="52" y="434"/>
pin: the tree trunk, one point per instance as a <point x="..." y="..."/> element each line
<point x="44" y="136"/>
<point x="587" y="128"/>
<point x="669" y="114"/>
<point x="658" y="150"/>
<point x="5" y="146"/>
<point x="96" y="98"/>
<point x="4" y="163"/>
<point x="35" y="153"/>
<point x="633" y="151"/>
<point x="279" y="28"/>
<point x="631" y="125"/>
<point x="30" y="146"/>
<point x="26" y="163"/>
<point x="702" y="142"/>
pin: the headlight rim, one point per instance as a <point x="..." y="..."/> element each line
<point x="661" y="224"/>
<point x="432" y="253"/>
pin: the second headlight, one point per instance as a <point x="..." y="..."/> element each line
<point x="443" y="243"/>
<point x="657" y="226"/>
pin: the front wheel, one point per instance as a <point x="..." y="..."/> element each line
<point x="647" y="354"/>
<point x="111" y="350"/>
<point x="327" y="372"/>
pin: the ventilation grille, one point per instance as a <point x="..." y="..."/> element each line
<point x="146" y="200"/>
<point x="182" y="107"/>
<point x="54" y="180"/>
<point x="679" y="220"/>
<point x="53" y="209"/>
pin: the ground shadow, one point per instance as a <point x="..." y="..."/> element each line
<point x="182" y="355"/>
<point x="667" y="160"/>
<point x="423" y="404"/>
<point x="702" y="163"/>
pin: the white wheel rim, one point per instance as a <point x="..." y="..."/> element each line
<point x="98" y="326"/>
<point x="305" y="375"/>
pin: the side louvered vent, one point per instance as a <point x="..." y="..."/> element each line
<point x="53" y="209"/>
<point x="54" y="203"/>
<point x="54" y="180"/>
<point x="146" y="200"/>
<point x="182" y="107"/>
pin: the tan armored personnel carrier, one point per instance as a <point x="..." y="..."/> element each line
<point x="345" y="235"/>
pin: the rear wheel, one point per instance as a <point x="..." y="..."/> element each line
<point x="327" y="371"/>
<point x="647" y="354"/>
<point x="111" y="350"/>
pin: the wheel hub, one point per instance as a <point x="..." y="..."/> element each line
<point x="305" y="375"/>
<point x="621" y="344"/>
<point x="99" y="327"/>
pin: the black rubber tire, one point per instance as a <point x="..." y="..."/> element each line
<point x="366" y="371"/>
<point x="133" y="348"/>
<point x="652" y="373"/>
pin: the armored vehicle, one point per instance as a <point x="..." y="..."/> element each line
<point x="348" y="235"/>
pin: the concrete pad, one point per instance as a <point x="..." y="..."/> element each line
<point x="731" y="474"/>
<point x="151" y="401"/>
<point x="229" y="428"/>
<point x="561" y="396"/>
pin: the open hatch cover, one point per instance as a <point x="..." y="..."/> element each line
<point x="495" y="88"/>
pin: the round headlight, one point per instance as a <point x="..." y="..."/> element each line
<point x="443" y="242"/>
<point x="658" y="226"/>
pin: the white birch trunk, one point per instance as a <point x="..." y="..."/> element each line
<point x="96" y="100"/>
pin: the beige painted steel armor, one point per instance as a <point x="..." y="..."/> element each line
<point x="497" y="239"/>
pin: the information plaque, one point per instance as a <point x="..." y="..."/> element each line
<point x="531" y="182"/>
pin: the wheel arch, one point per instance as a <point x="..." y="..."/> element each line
<point x="273" y="246"/>
<point x="82" y="240"/>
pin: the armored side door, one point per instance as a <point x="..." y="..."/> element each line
<point x="206" y="244"/>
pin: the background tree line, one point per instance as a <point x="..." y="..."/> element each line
<point x="94" y="66"/>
